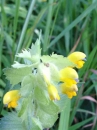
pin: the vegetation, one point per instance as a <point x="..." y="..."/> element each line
<point x="66" y="26"/>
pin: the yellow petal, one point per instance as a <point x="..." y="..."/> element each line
<point x="80" y="64"/>
<point x="68" y="73"/>
<point x="70" y="91"/>
<point x="12" y="104"/>
<point x="53" y="93"/>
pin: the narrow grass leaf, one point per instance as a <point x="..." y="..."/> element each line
<point x="76" y="21"/>
<point x="78" y="125"/>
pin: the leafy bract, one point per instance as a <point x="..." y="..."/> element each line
<point x="27" y="85"/>
<point x="25" y="107"/>
<point x="11" y="121"/>
<point x="41" y="96"/>
<point x="59" y="60"/>
<point x="18" y="65"/>
<point x="47" y="120"/>
<point x="16" y="75"/>
<point x="51" y="108"/>
<point x="32" y="54"/>
<point x="35" y="48"/>
<point x="36" y="125"/>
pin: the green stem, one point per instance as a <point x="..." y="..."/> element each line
<point x="15" y="22"/>
<point x="25" y="25"/>
<point x="48" y="25"/>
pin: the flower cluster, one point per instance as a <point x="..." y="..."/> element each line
<point x="68" y="77"/>
<point x="66" y="83"/>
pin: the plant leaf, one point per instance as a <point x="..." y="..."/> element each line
<point x="41" y="96"/>
<point x="51" y="108"/>
<point x="16" y="75"/>
<point x="46" y="119"/>
<point x="11" y="122"/>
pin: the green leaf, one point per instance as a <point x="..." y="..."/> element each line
<point x="11" y="122"/>
<point x="16" y="75"/>
<point x="46" y="119"/>
<point x="25" y="105"/>
<point x="32" y="54"/>
<point x="35" y="48"/>
<point x="41" y="96"/>
<point x="55" y="76"/>
<point x="1" y="92"/>
<point x="51" y="108"/>
<point x="64" y="117"/>
<point x="40" y="81"/>
<point x="18" y="65"/>
<point x="25" y="54"/>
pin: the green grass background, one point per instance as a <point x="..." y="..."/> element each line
<point x="66" y="26"/>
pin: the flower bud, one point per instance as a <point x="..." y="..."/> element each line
<point x="53" y="93"/>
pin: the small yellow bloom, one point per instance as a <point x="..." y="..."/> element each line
<point x="70" y="91"/>
<point x="78" y="58"/>
<point x="11" y="98"/>
<point x="69" y="75"/>
<point x="53" y="93"/>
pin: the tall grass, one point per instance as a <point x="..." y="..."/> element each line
<point x="67" y="25"/>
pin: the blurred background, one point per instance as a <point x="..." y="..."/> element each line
<point x="66" y="26"/>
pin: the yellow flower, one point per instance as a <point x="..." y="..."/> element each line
<point x="11" y="98"/>
<point x="69" y="75"/>
<point x="78" y="58"/>
<point x="53" y="93"/>
<point x="70" y="91"/>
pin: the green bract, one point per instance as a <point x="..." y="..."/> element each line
<point x="35" y="110"/>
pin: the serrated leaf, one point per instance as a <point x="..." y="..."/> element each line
<point x="16" y="75"/>
<point x="41" y="96"/>
<point x="32" y="54"/>
<point x="18" y="65"/>
<point x="11" y="122"/>
<point x="25" y="54"/>
<point x="59" y="60"/>
<point x="46" y="119"/>
<point x="51" y="108"/>
<point x="35" y="48"/>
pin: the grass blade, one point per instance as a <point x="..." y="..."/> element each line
<point x="76" y="21"/>
<point x="64" y="117"/>
<point x="25" y="25"/>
